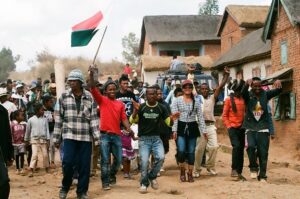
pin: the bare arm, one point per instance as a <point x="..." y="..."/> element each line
<point x="224" y="81"/>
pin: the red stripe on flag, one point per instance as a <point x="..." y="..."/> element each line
<point x="90" y="23"/>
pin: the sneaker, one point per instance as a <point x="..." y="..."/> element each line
<point x="75" y="181"/>
<point x="212" y="172"/>
<point x="162" y="170"/>
<point x="22" y="172"/>
<point x="143" y="189"/>
<point x="241" y="177"/>
<point x="126" y="175"/>
<point x="30" y="175"/>
<point x="62" y="194"/>
<point x="263" y="180"/>
<point x="154" y="184"/>
<point x="196" y="174"/>
<point x="253" y="174"/>
<point x="106" y="187"/>
<point x="113" y="181"/>
<point x="18" y="172"/>
<point x="82" y="196"/>
<point x="158" y="174"/>
<point x="234" y="173"/>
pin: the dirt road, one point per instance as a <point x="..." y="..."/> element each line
<point x="283" y="182"/>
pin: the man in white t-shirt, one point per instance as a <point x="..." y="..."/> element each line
<point x="209" y="143"/>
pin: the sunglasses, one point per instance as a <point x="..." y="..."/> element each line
<point x="187" y="87"/>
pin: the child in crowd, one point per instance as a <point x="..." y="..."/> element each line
<point x="127" y="152"/>
<point x="37" y="133"/>
<point x="18" y="129"/>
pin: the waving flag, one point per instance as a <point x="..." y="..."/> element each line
<point x="83" y="32"/>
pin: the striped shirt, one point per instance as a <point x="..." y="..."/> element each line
<point x="186" y="113"/>
<point x="74" y="125"/>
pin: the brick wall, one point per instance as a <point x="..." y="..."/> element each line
<point x="288" y="131"/>
<point x="232" y="34"/>
<point x="213" y="50"/>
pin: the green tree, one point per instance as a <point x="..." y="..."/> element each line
<point x="210" y="7"/>
<point x="7" y="62"/>
<point x="130" y="45"/>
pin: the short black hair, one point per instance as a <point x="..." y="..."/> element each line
<point x="46" y="98"/>
<point x="9" y="81"/>
<point x="256" y="79"/>
<point x="52" y="74"/>
<point x="177" y="90"/>
<point x="37" y="107"/>
<point x="123" y="78"/>
<point x="151" y="87"/>
<point x="109" y="82"/>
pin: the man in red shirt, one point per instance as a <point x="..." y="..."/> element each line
<point x="112" y="113"/>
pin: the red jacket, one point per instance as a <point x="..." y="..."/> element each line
<point x="230" y="118"/>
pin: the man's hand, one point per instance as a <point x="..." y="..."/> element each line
<point x="136" y="105"/>
<point x="277" y="84"/>
<point x="205" y="136"/>
<point x="175" y="135"/>
<point x="57" y="145"/>
<point x="174" y="116"/>
<point x="96" y="142"/>
<point x="272" y="137"/>
<point x="226" y="70"/>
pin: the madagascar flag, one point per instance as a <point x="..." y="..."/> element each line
<point x="83" y="32"/>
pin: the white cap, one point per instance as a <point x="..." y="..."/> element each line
<point x="3" y="92"/>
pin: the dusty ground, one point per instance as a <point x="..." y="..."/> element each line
<point x="283" y="182"/>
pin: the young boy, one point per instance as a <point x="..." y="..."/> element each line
<point x="37" y="133"/>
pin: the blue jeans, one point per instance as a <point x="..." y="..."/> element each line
<point x="76" y="154"/>
<point x="186" y="149"/>
<point x="150" y="145"/>
<point x="110" y="143"/>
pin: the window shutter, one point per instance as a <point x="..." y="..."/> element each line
<point x="277" y="108"/>
<point x="293" y="106"/>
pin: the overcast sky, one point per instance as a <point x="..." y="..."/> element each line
<point x="29" y="26"/>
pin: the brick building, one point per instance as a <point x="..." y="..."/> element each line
<point x="238" y="21"/>
<point x="283" y="29"/>
<point x="184" y="35"/>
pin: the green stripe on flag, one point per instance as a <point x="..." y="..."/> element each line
<point x="82" y="37"/>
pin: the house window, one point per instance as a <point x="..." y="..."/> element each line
<point x="284" y="52"/>
<point x="191" y="52"/>
<point x="169" y="53"/>
<point x="269" y="70"/>
<point x="256" y="72"/>
<point x="285" y="106"/>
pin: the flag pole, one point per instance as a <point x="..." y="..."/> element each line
<point x="99" y="46"/>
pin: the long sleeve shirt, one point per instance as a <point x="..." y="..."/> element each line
<point x="230" y="118"/>
<point x="37" y="129"/>
<point x="112" y="112"/>
<point x="82" y="125"/>
<point x="186" y="113"/>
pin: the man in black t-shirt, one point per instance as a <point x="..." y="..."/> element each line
<point x="149" y="115"/>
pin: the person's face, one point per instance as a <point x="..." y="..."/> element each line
<point x="179" y="94"/>
<point x="38" y="89"/>
<point x="53" y="90"/>
<point x="111" y="91"/>
<point x="52" y="79"/>
<point x="140" y="84"/>
<point x="74" y="84"/>
<point x="187" y="89"/>
<point x="198" y="89"/>
<point x="151" y="95"/>
<point x="49" y="103"/>
<point x="20" y="90"/>
<point x="40" y="112"/>
<point x="9" y="86"/>
<point x="3" y="98"/>
<point x="256" y="87"/>
<point x="39" y="81"/>
<point x="159" y="95"/>
<point x="20" y="117"/>
<point x="204" y="90"/>
<point x="169" y="81"/>
<point x="124" y="85"/>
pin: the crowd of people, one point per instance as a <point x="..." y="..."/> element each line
<point x="130" y="123"/>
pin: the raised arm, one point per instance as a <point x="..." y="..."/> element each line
<point x="224" y="81"/>
<point x="94" y="91"/>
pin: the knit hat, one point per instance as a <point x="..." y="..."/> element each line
<point x="76" y="74"/>
<point x="109" y="82"/>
